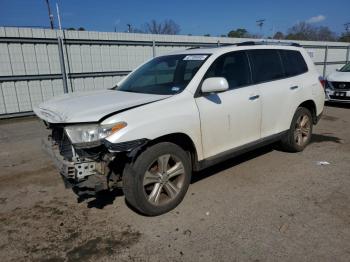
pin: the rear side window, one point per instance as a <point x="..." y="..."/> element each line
<point x="266" y="65"/>
<point x="232" y="66"/>
<point x="293" y="62"/>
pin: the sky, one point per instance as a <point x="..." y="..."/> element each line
<point x="194" y="17"/>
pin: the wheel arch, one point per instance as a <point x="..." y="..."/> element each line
<point x="311" y="106"/>
<point x="183" y="141"/>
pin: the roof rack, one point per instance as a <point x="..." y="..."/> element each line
<point x="247" y="43"/>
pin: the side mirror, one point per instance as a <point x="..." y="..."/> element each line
<point x="214" y="84"/>
<point x="338" y="69"/>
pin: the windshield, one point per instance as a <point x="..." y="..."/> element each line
<point x="165" y="75"/>
<point x="345" y="68"/>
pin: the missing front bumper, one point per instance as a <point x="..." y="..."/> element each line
<point x="85" y="175"/>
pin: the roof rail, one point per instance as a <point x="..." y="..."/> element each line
<point x="203" y="46"/>
<point x="247" y="43"/>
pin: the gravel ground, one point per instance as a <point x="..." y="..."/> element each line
<point x="266" y="205"/>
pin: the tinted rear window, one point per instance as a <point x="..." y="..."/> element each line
<point x="293" y="62"/>
<point x="266" y="65"/>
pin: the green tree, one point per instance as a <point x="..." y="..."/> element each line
<point x="76" y="29"/>
<point x="345" y="37"/>
<point x="238" y="33"/>
<point x="278" y="35"/>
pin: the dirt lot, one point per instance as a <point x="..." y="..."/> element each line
<point x="264" y="206"/>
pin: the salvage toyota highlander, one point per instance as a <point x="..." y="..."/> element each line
<point x="180" y="113"/>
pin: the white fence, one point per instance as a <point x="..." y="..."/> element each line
<point x="38" y="64"/>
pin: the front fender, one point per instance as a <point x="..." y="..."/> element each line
<point x="177" y="114"/>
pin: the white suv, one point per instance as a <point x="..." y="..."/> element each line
<point x="180" y="113"/>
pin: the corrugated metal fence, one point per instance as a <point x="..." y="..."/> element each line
<point x="38" y="64"/>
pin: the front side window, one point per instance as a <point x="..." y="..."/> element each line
<point x="232" y="66"/>
<point x="266" y="65"/>
<point x="165" y="75"/>
<point x="293" y="62"/>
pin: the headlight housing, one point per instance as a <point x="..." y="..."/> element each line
<point x="92" y="133"/>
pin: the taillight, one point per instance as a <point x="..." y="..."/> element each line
<point x="322" y="81"/>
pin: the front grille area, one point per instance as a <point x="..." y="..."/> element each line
<point x="341" y="85"/>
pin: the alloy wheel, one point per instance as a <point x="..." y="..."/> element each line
<point x="164" y="179"/>
<point x="302" y="130"/>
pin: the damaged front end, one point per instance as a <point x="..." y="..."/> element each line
<point x="88" y="170"/>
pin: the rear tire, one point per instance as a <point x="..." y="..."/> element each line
<point x="157" y="181"/>
<point x="300" y="131"/>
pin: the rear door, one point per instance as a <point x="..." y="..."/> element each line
<point x="277" y="72"/>
<point x="231" y="118"/>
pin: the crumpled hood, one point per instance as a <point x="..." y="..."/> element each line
<point x="90" y="106"/>
<point x="339" y="76"/>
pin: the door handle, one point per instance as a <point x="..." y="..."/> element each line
<point x="254" y="97"/>
<point x="293" y="87"/>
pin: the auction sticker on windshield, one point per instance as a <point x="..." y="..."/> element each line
<point x="195" y="57"/>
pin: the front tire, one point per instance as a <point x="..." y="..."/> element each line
<point x="299" y="134"/>
<point x="157" y="181"/>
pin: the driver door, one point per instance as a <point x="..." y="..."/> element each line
<point x="232" y="118"/>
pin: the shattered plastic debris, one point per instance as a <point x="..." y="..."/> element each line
<point x="322" y="163"/>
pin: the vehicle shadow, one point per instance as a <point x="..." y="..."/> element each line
<point x="106" y="198"/>
<point x="205" y="173"/>
<point x="316" y="138"/>
<point x="327" y="137"/>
